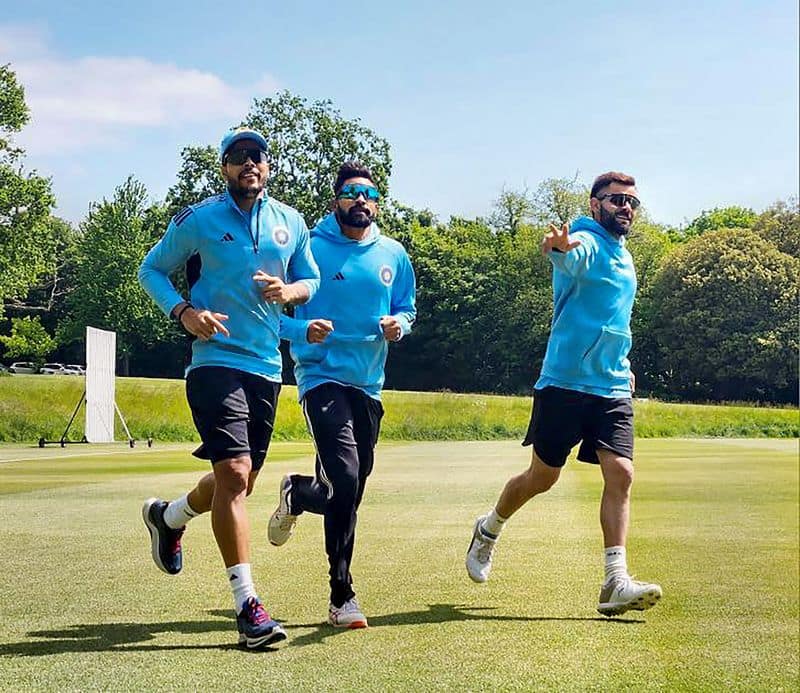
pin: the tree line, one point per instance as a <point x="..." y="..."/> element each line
<point x="716" y="317"/>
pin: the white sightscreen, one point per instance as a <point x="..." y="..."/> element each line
<point x="101" y="356"/>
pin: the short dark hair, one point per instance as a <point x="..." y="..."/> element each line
<point x="605" y="179"/>
<point x="351" y="169"/>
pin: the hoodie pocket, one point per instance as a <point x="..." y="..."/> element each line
<point x="607" y="355"/>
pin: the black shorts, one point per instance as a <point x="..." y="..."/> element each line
<point x="233" y="411"/>
<point x="562" y="417"/>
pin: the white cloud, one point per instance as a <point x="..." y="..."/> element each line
<point x="92" y="100"/>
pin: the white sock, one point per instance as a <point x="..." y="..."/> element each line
<point x="179" y="512"/>
<point x="616" y="562"/>
<point x="493" y="523"/>
<point x="241" y="582"/>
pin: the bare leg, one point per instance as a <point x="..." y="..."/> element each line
<point x="228" y="514"/>
<point x="616" y="500"/>
<point x="537" y="479"/>
<point x="202" y="495"/>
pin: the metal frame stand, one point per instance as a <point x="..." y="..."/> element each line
<point x="63" y="442"/>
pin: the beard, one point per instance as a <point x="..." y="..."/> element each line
<point x="616" y="223"/>
<point x="357" y="217"/>
<point x="244" y="190"/>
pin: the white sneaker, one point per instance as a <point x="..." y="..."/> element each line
<point x="623" y="594"/>
<point x="479" y="553"/>
<point x="281" y="523"/>
<point x="348" y="615"/>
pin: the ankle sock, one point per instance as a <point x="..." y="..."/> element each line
<point x="616" y="562"/>
<point x="179" y="512"/>
<point x="493" y="524"/>
<point x="241" y="582"/>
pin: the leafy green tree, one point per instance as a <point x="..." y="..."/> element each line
<point x="28" y="340"/>
<point x="650" y="244"/>
<point x="727" y="322"/>
<point x="560" y="200"/>
<point x="780" y="225"/>
<point x="720" y="218"/>
<point x="484" y="303"/>
<point x="199" y="177"/>
<point x="25" y="201"/>
<point x="308" y="141"/>
<point x="115" y="237"/>
<point x="512" y="209"/>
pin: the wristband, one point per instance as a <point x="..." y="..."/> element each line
<point x="180" y="313"/>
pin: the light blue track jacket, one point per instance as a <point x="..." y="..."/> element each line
<point x="230" y="246"/>
<point x="361" y="281"/>
<point x="593" y="290"/>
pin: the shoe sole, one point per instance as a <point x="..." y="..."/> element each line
<point x="275" y="636"/>
<point x="154" y="536"/>
<point x="643" y="602"/>
<point x="350" y="626"/>
<point x="285" y="480"/>
<point x="479" y="579"/>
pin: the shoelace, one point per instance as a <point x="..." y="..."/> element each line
<point x="255" y="611"/>
<point x="485" y="548"/>
<point x="176" y="540"/>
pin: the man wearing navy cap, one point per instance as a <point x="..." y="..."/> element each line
<point x="246" y="256"/>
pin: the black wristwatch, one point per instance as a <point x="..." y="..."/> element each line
<point x="180" y="313"/>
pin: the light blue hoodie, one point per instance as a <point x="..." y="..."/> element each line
<point x="227" y="247"/>
<point x="361" y="282"/>
<point x="593" y="290"/>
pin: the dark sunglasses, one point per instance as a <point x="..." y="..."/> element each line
<point x="351" y="191"/>
<point x="621" y="199"/>
<point x="238" y="156"/>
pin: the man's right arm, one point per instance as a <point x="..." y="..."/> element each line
<point x="166" y="256"/>
<point x="571" y="254"/>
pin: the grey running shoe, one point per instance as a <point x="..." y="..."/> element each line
<point x="626" y="594"/>
<point x="348" y="615"/>
<point x="165" y="542"/>
<point x="281" y="523"/>
<point x="479" y="553"/>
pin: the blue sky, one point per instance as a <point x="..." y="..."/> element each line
<point x="698" y="100"/>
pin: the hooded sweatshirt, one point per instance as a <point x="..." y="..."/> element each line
<point x="227" y="247"/>
<point x="361" y="281"/>
<point x="593" y="290"/>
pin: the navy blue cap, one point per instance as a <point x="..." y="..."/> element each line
<point x="237" y="134"/>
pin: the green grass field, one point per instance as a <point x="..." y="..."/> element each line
<point x="714" y="521"/>
<point x="32" y="406"/>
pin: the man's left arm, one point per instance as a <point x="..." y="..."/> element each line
<point x="403" y="309"/>
<point x="303" y="270"/>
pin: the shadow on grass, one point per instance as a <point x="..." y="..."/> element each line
<point x="131" y="637"/>
<point x="123" y="637"/>
<point x="435" y="613"/>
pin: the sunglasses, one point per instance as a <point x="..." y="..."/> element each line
<point x="351" y="191"/>
<point x="239" y="156"/>
<point x="621" y="199"/>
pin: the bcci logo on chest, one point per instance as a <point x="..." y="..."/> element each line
<point x="280" y="235"/>
<point x="386" y="275"/>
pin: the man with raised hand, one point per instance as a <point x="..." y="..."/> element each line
<point x="585" y="389"/>
<point x="246" y="256"/>
<point x="339" y="342"/>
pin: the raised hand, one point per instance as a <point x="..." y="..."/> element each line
<point x="558" y="239"/>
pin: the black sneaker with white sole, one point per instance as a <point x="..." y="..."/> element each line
<point x="165" y="541"/>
